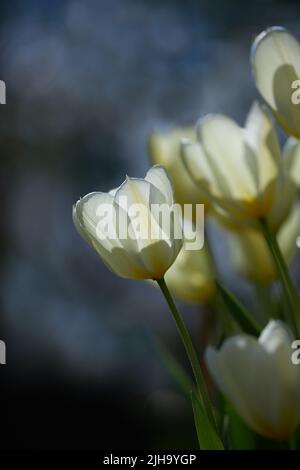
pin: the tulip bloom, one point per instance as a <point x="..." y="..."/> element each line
<point x="132" y="256"/>
<point x="251" y="255"/>
<point x="191" y="277"/>
<point x="240" y="170"/>
<point x="164" y="149"/>
<point x="275" y="59"/>
<point x="260" y="380"/>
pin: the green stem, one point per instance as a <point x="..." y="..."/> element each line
<point x="190" y="350"/>
<point x="263" y="294"/>
<point x="176" y="370"/>
<point x="289" y="289"/>
<point x="240" y="314"/>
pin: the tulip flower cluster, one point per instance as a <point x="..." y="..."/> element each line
<point x="249" y="185"/>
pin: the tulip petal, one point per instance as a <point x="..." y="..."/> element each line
<point x="164" y="149"/>
<point x="159" y="178"/>
<point x="224" y="147"/>
<point x="108" y="246"/>
<point x="288" y="234"/>
<point x="157" y="257"/>
<point x="194" y="159"/>
<point x="236" y="372"/>
<point x="261" y="136"/>
<point x="222" y="171"/>
<point x="79" y="227"/>
<point x="156" y="248"/>
<point x="260" y="380"/>
<point x="90" y="209"/>
<point x="191" y="277"/>
<point x="133" y="191"/>
<point x="275" y="58"/>
<point x="291" y="157"/>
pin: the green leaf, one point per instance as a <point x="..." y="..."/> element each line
<point x="239" y="312"/>
<point x="207" y="436"/>
<point x="176" y="370"/>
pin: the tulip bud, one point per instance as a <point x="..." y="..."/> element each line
<point x="275" y="58"/>
<point x="260" y="380"/>
<point x="132" y="239"/>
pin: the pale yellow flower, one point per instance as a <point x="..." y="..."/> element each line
<point x="191" y="277"/>
<point x="241" y="170"/>
<point x="134" y="255"/>
<point x="251" y="255"/>
<point x="275" y="59"/>
<point x="260" y="380"/>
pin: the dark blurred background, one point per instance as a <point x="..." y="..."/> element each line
<point x="86" y="82"/>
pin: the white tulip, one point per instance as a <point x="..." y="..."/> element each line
<point x="241" y="170"/>
<point x="260" y="380"/>
<point x="133" y="244"/>
<point x="275" y="58"/>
